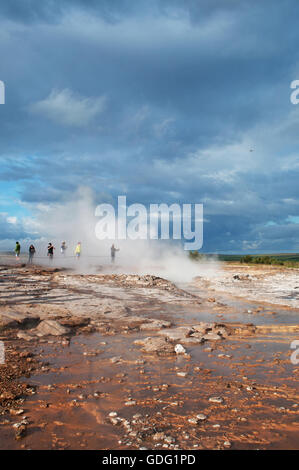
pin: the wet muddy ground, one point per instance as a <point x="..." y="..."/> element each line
<point x="85" y="381"/>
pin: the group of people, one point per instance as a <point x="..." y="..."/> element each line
<point x="31" y="252"/>
<point x="63" y="248"/>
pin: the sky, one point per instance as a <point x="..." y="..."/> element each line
<point x="162" y="101"/>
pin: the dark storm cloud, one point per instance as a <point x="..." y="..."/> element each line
<point x="162" y="101"/>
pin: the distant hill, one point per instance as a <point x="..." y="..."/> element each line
<point x="282" y="259"/>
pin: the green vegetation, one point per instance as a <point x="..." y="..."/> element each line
<point x="290" y="260"/>
<point x="264" y="259"/>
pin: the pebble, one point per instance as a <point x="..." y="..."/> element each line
<point x="201" y="417"/>
<point x="193" y="420"/>
<point x="179" y="349"/>
<point x="159" y="436"/>
<point x="216" y="399"/>
<point x="115" y="359"/>
<point x="130" y="403"/>
<point x="16" y="412"/>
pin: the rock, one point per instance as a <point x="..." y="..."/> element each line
<point x="155" y="325"/>
<point x="192" y="340"/>
<point x="245" y="330"/>
<point x="130" y="403"/>
<point x="216" y="399"/>
<point x="26" y="336"/>
<point x="177" y="334"/>
<point x="159" y="436"/>
<point x="211" y="337"/>
<point x="193" y="421"/>
<point x="203" y="327"/>
<point x="51" y="328"/>
<point x="197" y="418"/>
<point x="6" y="321"/>
<point x="26" y="354"/>
<point x="222" y="331"/>
<point x="20" y="431"/>
<point x="201" y="417"/>
<point x="16" y="412"/>
<point x="20" y="428"/>
<point x="242" y="277"/>
<point x="112" y="414"/>
<point x="181" y="374"/>
<point x="155" y="345"/>
<point x="73" y="322"/>
<point x="115" y="421"/>
<point x="169" y="440"/>
<point x="179" y="349"/>
<point x="227" y="444"/>
<point x="115" y="359"/>
<point x="7" y="396"/>
<point x="17" y="320"/>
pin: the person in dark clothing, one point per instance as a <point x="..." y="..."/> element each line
<point x="31" y="254"/>
<point x="51" y="249"/>
<point x="113" y="251"/>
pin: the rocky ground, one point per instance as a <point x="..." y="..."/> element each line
<point x="113" y="361"/>
<point x="272" y="284"/>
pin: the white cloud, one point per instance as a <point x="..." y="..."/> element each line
<point x="12" y="220"/>
<point x="67" y="108"/>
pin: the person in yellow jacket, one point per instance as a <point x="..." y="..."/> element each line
<point x="78" y="250"/>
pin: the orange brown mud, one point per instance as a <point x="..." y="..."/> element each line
<point x="92" y="385"/>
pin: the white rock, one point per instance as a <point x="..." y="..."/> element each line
<point x="179" y="349"/>
<point x="201" y="417"/>
<point x="182" y="374"/>
<point x="193" y="420"/>
<point x="216" y="399"/>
